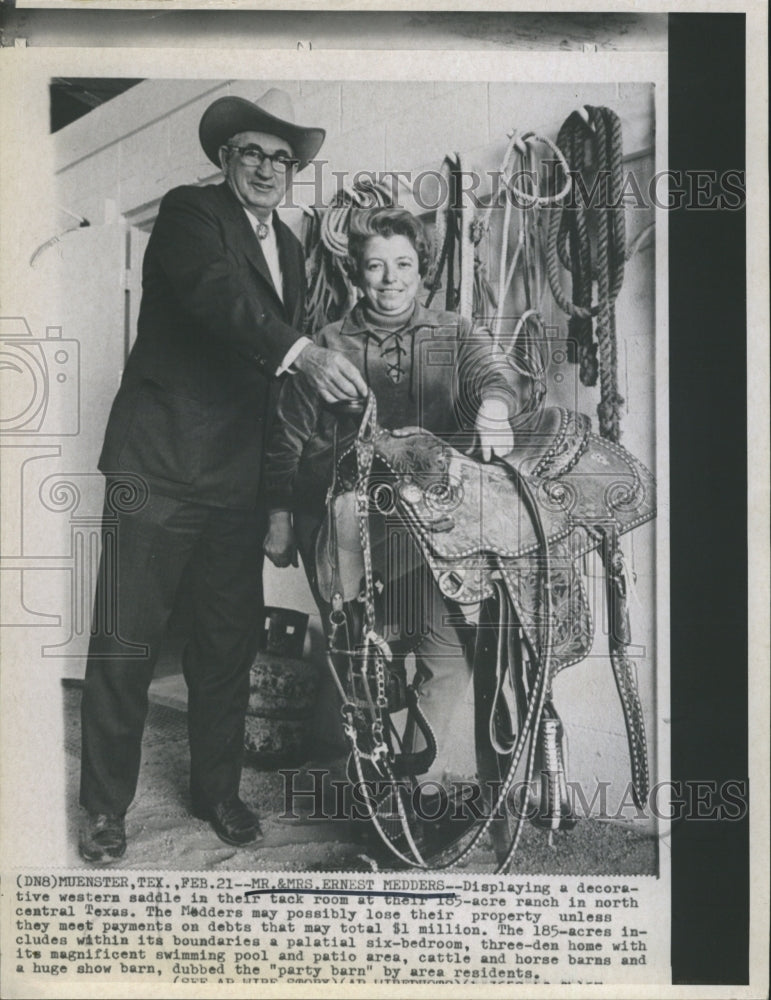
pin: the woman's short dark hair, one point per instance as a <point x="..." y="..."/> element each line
<point x="368" y="222"/>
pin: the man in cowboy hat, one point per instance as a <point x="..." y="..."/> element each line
<point x="222" y="303"/>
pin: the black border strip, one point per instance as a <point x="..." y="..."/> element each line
<point x="708" y="469"/>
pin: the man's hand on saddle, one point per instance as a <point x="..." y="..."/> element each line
<point x="334" y="377"/>
<point x="279" y="545"/>
<point x="493" y="428"/>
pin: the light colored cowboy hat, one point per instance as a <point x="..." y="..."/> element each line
<point x="272" y="113"/>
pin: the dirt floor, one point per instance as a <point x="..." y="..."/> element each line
<point x="163" y="835"/>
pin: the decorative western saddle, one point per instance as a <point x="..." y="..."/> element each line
<point x="509" y="536"/>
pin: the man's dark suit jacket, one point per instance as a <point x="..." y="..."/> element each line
<point x="197" y="395"/>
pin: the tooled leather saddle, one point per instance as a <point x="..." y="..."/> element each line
<point x="512" y="532"/>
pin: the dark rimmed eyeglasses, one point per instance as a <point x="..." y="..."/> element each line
<point x="255" y="156"/>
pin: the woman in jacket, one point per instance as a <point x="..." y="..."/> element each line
<point x="427" y="369"/>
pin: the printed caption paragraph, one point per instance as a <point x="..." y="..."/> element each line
<point x="239" y="928"/>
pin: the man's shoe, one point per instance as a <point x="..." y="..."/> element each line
<point x="232" y="820"/>
<point x="102" y="838"/>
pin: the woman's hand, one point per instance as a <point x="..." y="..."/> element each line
<point x="493" y="428"/>
<point x="279" y="545"/>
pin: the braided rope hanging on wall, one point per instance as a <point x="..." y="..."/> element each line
<point x="592" y="326"/>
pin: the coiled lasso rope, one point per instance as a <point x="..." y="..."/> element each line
<point x="521" y="165"/>
<point x="569" y="244"/>
<point x="521" y="152"/>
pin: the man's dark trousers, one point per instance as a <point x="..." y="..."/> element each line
<point x="218" y="553"/>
